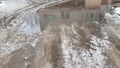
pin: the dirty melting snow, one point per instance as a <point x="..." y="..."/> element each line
<point x="12" y="40"/>
<point x="21" y="41"/>
<point x="78" y="57"/>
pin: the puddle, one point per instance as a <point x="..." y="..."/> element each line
<point x="37" y="22"/>
<point x="68" y="15"/>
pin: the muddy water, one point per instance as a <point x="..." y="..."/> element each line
<point x="37" y="22"/>
<point x="69" y="15"/>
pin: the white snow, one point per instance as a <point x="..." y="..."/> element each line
<point x="117" y="10"/>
